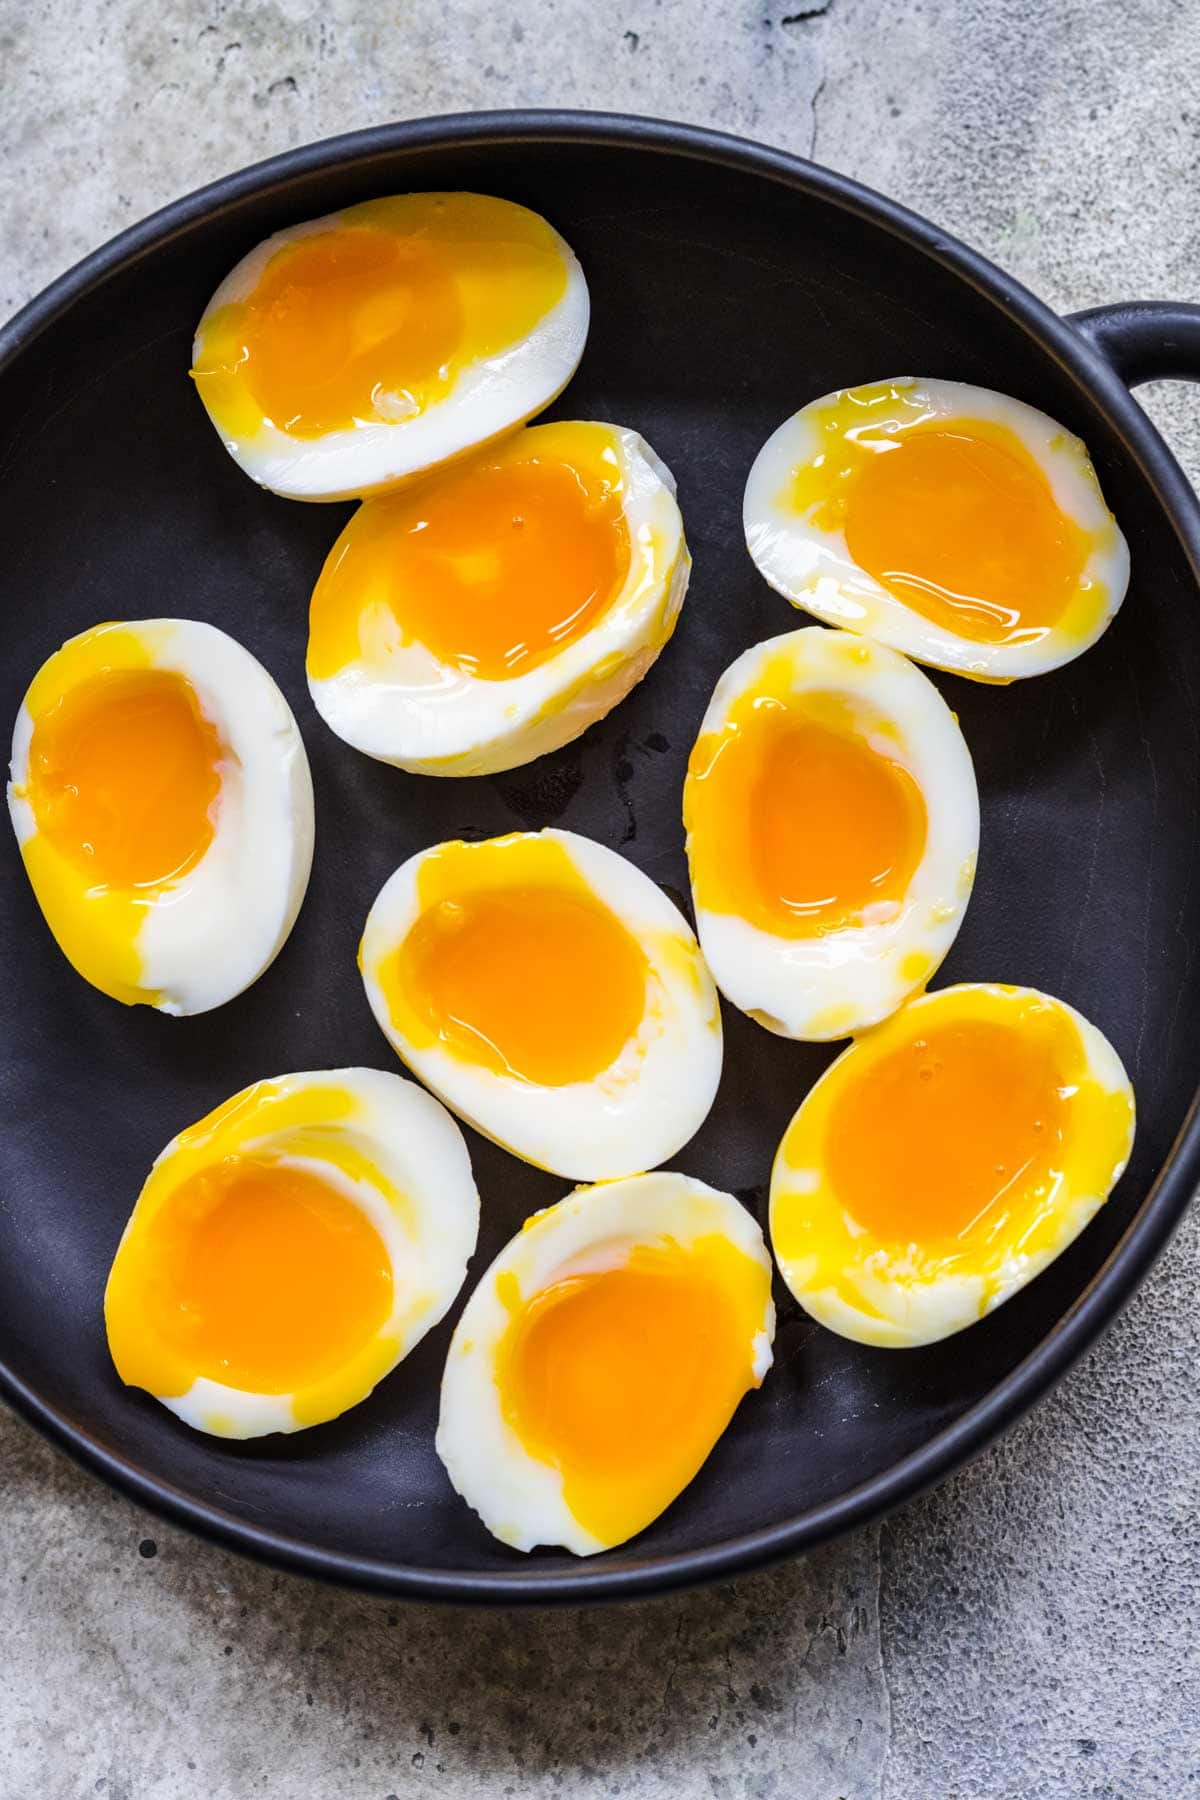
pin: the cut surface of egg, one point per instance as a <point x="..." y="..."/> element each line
<point x="832" y="829"/>
<point x="287" y="1251"/>
<point x="552" y="995"/>
<point x="601" y="1357"/>
<point x="346" y="354"/>
<point x="497" y="609"/>
<point x="162" y="800"/>
<point x="953" y="523"/>
<point x="944" y="1159"/>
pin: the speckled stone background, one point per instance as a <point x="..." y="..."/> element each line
<point x="1031" y="1629"/>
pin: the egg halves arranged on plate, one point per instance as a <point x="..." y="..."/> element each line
<point x="601" y="1357"/>
<point x="162" y="801"/>
<point x="345" y="354"/>
<point x="289" y="1249"/>
<point x="944" y="1159"/>
<point x="833" y="825"/>
<point x="494" y="611"/>
<point x="551" y="995"/>
<point x="948" y="521"/>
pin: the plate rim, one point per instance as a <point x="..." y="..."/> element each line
<point x="1160" y="1210"/>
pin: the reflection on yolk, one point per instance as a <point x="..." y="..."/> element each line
<point x="796" y="820"/>
<point x="124" y="773"/>
<point x="257" y="1275"/>
<point x="954" y="517"/>
<point x="945" y="1135"/>
<point x="374" y="318"/>
<point x="536" y="982"/>
<point x="623" y="1379"/>
<point x="495" y="565"/>
<point x="964" y="528"/>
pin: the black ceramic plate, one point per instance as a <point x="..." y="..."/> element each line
<point x="729" y="285"/>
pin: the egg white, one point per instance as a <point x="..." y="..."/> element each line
<point x="835" y="982"/>
<point x="812" y="566"/>
<point x="211" y="933"/>
<point x="429" y="1232"/>
<point x="399" y="703"/>
<point x="520" y="1499"/>
<point x="489" y="397"/>
<point x="642" y="1108"/>
<point x="887" y="1296"/>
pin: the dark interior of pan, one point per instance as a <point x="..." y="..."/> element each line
<point x="722" y="300"/>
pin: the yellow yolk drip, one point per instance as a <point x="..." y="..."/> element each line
<point x="623" y="1379"/>
<point x="244" y="1268"/>
<point x="965" y="1130"/>
<point x="516" y="965"/>
<point x="955" y="517"/>
<point x="264" y="1277"/>
<point x="495" y="565"/>
<point x="124" y="771"/>
<point x="798" y="817"/>
<point x="373" y="318"/>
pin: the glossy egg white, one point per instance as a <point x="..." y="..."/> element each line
<point x="837" y="981"/>
<point x="398" y="702"/>
<point x="193" y="943"/>
<point x="648" y="1102"/>
<point x="811" y="564"/>
<point x="488" y="397"/>
<point x="381" y="1142"/>
<point x="519" y="1497"/>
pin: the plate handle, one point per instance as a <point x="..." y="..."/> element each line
<point x="1145" y="340"/>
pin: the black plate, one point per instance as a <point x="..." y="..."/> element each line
<point x="729" y="285"/>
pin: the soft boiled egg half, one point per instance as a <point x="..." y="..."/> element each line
<point x="950" y="522"/>
<point x="343" y="355"/>
<point x="832" y="828"/>
<point x="289" y="1249"/>
<point x="497" y="609"/>
<point x="552" y="995"/>
<point x="601" y="1357"/>
<point x="944" y="1159"/>
<point x="162" y="801"/>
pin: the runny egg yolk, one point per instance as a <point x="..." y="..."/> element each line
<point x="799" y="815"/>
<point x="124" y="774"/>
<point x="955" y="517"/>
<point x="255" y="1274"/>
<point x="372" y="318"/>
<point x="495" y="566"/>
<point x="623" y="1378"/>
<point x="947" y="1134"/>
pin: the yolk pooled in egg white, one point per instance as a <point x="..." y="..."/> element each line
<point x="953" y="523"/>
<point x="600" y="1359"/>
<point x="551" y="994"/>
<point x="833" y="824"/>
<point x="162" y="800"/>
<point x="349" y="352"/>
<point x="498" y="608"/>
<point x="289" y="1249"/>
<point x="944" y="1159"/>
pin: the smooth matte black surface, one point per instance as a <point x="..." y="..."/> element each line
<point x="723" y="298"/>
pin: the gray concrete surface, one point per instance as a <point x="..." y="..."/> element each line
<point x="1031" y="1630"/>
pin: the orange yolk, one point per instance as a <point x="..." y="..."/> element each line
<point x="124" y="775"/>
<point x="259" y="1276"/>
<point x="945" y="1135"/>
<point x="537" y="982"/>
<point x="374" y="318"/>
<point x="624" y="1379"/>
<point x="964" y="528"/>
<point x="494" y="566"/>
<point x="796" y="821"/>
